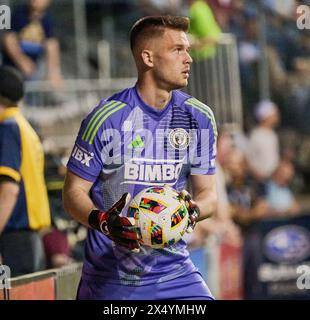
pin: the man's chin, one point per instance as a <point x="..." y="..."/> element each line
<point x="181" y="85"/>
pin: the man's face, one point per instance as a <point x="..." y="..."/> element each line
<point x="171" y="60"/>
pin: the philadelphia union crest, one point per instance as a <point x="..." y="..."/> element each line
<point x="179" y="138"/>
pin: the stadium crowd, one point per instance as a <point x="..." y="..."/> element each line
<point x="263" y="170"/>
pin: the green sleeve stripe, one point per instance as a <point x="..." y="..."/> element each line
<point x="210" y="116"/>
<point x="196" y="103"/>
<point x="204" y="109"/>
<point x="103" y="119"/>
<point x="96" y="117"/>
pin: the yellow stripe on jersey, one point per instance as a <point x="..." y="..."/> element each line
<point x="6" y="171"/>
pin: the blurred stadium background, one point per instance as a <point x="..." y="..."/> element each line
<point x="260" y="56"/>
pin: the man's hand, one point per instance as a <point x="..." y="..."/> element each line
<point x="192" y="208"/>
<point x="118" y="229"/>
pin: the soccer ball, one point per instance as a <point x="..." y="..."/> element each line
<point x="160" y="215"/>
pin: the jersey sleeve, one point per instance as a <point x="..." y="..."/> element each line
<point x="203" y="161"/>
<point x="10" y="151"/>
<point x="88" y="157"/>
<point x="85" y="160"/>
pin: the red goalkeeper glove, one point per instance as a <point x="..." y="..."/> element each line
<point x="118" y="229"/>
<point x="192" y="208"/>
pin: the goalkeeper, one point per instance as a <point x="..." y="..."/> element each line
<point x="150" y="134"/>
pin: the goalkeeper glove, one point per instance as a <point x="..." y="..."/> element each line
<point x="118" y="229"/>
<point x="192" y="208"/>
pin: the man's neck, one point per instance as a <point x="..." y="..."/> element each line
<point x="152" y="95"/>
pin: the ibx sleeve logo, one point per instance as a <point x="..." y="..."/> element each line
<point x="82" y="155"/>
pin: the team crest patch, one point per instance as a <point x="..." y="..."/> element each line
<point x="179" y="138"/>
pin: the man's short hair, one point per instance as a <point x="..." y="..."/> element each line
<point x="154" y="26"/>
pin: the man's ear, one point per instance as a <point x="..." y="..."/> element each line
<point x="147" y="57"/>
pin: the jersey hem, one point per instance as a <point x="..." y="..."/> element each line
<point x="97" y="277"/>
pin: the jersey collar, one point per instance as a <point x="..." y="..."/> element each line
<point x="151" y="111"/>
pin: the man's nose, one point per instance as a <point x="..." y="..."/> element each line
<point x="188" y="58"/>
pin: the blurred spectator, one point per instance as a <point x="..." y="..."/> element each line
<point x="160" y="7"/>
<point x="57" y="249"/>
<point x="204" y="30"/>
<point x="221" y="224"/>
<point x="263" y="149"/>
<point x="291" y="84"/>
<point x="29" y="39"/>
<point x="237" y="19"/>
<point x="285" y="9"/>
<point x="64" y="241"/>
<point x="279" y="196"/>
<point x="299" y="95"/>
<point x="249" y="56"/>
<point x="24" y="208"/>
<point x="245" y="194"/>
<point x="249" y="207"/>
<point x="222" y="10"/>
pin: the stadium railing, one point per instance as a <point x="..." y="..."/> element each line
<point x="52" y="284"/>
<point x="56" y="115"/>
<point x="219" y="263"/>
<point x="216" y="82"/>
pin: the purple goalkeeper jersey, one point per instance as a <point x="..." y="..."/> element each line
<point x="124" y="145"/>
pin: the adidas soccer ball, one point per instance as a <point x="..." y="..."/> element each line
<point x="161" y="216"/>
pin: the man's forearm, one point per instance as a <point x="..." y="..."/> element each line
<point x="8" y="197"/>
<point x="204" y="194"/>
<point x="78" y="204"/>
<point x="76" y="200"/>
<point x="207" y="204"/>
